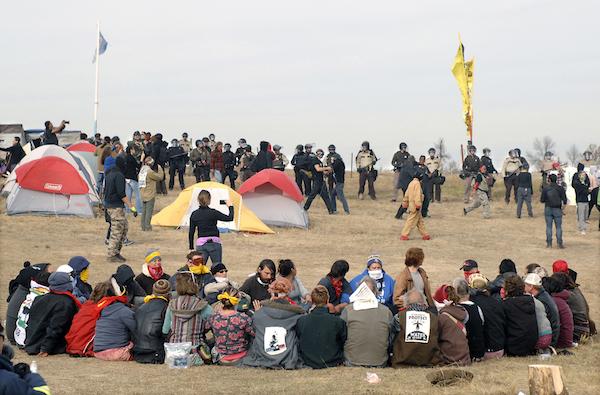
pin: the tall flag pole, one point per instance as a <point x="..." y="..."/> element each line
<point x="101" y="45"/>
<point x="463" y="72"/>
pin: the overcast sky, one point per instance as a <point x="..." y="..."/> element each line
<point x="311" y="71"/>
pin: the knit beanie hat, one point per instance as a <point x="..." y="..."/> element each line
<point x="477" y="281"/>
<point x="151" y="254"/>
<point x="540" y="271"/>
<point x="507" y="265"/>
<point x="374" y="259"/>
<point x="161" y="288"/>
<point x="217" y="268"/>
<point x="441" y="294"/>
<point x="78" y="263"/>
<point x="60" y="282"/>
<point x="560" y="266"/>
<point x="124" y="275"/>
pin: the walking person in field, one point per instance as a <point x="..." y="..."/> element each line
<point x="524" y="190"/>
<point x="480" y="189"/>
<point x="554" y="198"/>
<point x="413" y="201"/>
<point x="148" y="178"/>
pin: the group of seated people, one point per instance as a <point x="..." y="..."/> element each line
<point x="273" y="321"/>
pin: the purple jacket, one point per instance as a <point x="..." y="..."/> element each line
<point x="565" y="337"/>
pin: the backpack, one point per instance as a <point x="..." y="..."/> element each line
<point x="80" y="338"/>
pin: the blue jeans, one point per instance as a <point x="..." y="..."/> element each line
<point x="339" y="193"/>
<point x="132" y="187"/>
<point x="212" y="250"/>
<point x="553" y="215"/>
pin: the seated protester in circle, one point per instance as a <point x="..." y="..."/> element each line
<point x="533" y="286"/>
<point x="521" y="323"/>
<point x="115" y="328"/>
<point x="149" y="319"/>
<point x="416" y="342"/>
<point x="275" y="343"/>
<point x="494" y="320"/>
<point x="204" y="219"/>
<point x="299" y="294"/>
<point x="80" y="338"/>
<point x="18" y="289"/>
<point x="222" y="282"/>
<point x="338" y="287"/>
<point x="257" y="285"/>
<point x="385" y="282"/>
<point x="469" y="267"/>
<point x="413" y="276"/>
<point x="125" y="278"/>
<point x="231" y="329"/>
<point x="152" y="271"/>
<point x="196" y="265"/>
<point x="18" y="379"/>
<point x="39" y="286"/>
<point x="452" y="333"/>
<point x="185" y="316"/>
<point x="475" y="320"/>
<point x="321" y="335"/>
<point x="506" y="269"/>
<point x="50" y="317"/>
<point x="81" y="288"/>
<point x="544" y="328"/>
<point x="560" y="296"/>
<point x="578" y="304"/>
<point x="369" y="326"/>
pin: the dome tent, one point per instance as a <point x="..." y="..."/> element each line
<point x="49" y="185"/>
<point x="275" y="198"/>
<point x="85" y="150"/>
<point x="177" y="214"/>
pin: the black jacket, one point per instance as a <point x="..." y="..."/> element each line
<point x="205" y="220"/>
<point x="114" y="188"/>
<point x="551" y="312"/>
<point x="524" y="180"/>
<point x="177" y="157"/>
<point x="339" y="170"/>
<point x="13" y="383"/>
<point x="16" y="154"/>
<point x="125" y="278"/>
<point x="146" y="283"/>
<point x="553" y="195"/>
<point x="475" y="331"/>
<point x="298" y="161"/>
<point x="471" y="164"/>
<point x="12" y="310"/>
<point x="489" y="165"/>
<point x="263" y="160"/>
<point x="321" y="338"/>
<point x="254" y="289"/>
<point x="149" y="339"/>
<point x="50" y="319"/>
<point x="493" y="326"/>
<point x="132" y="168"/>
<point x="498" y="283"/>
<point x="581" y="187"/>
<point x="521" y="325"/>
<point x="229" y="160"/>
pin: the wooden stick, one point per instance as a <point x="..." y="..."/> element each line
<point x="546" y="380"/>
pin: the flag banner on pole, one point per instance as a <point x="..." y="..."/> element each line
<point x="463" y="72"/>
<point x="102" y="45"/>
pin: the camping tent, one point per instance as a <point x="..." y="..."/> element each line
<point x="49" y="185"/>
<point x="86" y="151"/>
<point x="275" y="198"/>
<point x="177" y="214"/>
<point x="79" y="164"/>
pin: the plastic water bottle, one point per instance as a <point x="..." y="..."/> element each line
<point x="33" y="367"/>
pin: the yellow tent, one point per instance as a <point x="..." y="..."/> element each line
<point x="177" y="213"/>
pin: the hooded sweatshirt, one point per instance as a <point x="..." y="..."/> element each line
<point x="263" y="160"/>
<point x="275" y="343"/>
<point x="452" y="335"/>
<point x="81" y="289"/>
<point x="521" y="325"/>
<point x="185" y="318"/>
<point x="114" y="328"/>
<point x="565" y="337"/>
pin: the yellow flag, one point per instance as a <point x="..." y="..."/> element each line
<point x="463" y="72"/>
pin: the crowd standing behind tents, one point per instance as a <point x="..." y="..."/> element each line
<point x="273" y="321"/>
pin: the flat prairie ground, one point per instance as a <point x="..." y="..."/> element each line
<point x="371" y="228"/>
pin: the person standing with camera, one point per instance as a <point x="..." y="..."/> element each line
<point x="50" y="132"/>
<point x="204" y="220"/>
<point x="365" y="165"/>
<point x="434" y="166"/>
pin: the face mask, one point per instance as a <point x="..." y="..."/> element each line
<point x="199" y="269"/>
<point x="376" y="274"/>
<point x="156" y="272"/>
<point x="84" y="275"/>
<point x="221" y="279"/>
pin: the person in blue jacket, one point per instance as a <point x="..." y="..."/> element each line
<point x="385" y="282"/>
<point x="18" y="379"/>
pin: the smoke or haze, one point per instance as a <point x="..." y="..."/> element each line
<point x="312" y="71"/>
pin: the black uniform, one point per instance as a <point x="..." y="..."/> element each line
<point x="302" y="179"/>
<point x="229" y="163"/>
<point x="318" y="187"/>
<point x="177" y="160"/>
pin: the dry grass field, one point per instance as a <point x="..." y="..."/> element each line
<point x="371" y="228"/>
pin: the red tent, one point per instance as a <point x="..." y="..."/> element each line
<point x="276" y="178"/>
<point x="51" y="174"/>
<point x="82" y="146"/>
